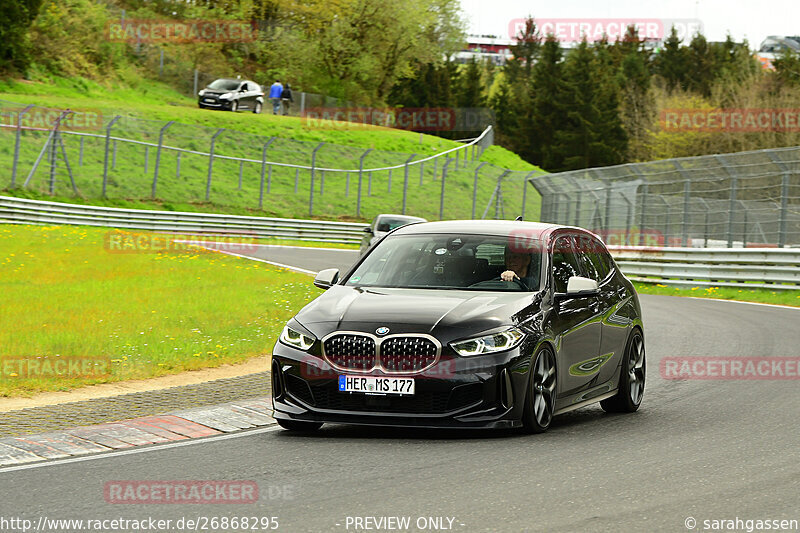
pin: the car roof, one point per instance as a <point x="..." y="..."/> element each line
<point x="401" y="217"/>
<point x="485" y="227"/>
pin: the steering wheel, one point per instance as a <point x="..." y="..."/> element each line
<point x="498" y="284"/>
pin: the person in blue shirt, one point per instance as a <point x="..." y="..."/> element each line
<point x="275" y="92"/>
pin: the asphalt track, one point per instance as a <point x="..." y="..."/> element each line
<point x="706" y="450"/>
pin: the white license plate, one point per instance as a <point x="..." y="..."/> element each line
<point x="208" y="99"/>
<point x="376" y="385"/>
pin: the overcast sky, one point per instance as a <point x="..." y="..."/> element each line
<point x="750" y="19"/>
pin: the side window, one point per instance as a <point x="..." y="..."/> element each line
<point x="565" y="263"/>
<point x="592" y="257"/>
<point x="599" y="257"/>
<point x="244" y="87"/>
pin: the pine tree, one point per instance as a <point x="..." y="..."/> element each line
<point x="672" y="62"/>
<point x="700" y="66"/>
<point x="547" y="117"/>
<point x="593" y="134"/>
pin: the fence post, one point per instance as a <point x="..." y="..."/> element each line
<point x="296" y="179"/>
<point x="241" y="170"/>
<point x="158" y="154"/>
<point x="784" y="210"/>
<point x="607" y="214"/>
<point x="105" y="160"/>
<point x="389" y="184"/>
<point x="525" y="195"/>
<point x="731" y="211"/>
<point x="264" y="164"/>
<point x="195" y="83"/>
<point x="642" y="214"/>
<point x="302" y="103"/>
<point x="211" y="162"/>
<point x="441" y="197"/>
<point x="146" y="157"/>
<point x="360" y="176"/>
<point x="53" y="159"/>
<point x="475" y="188"/>
<point x="178" y="165"/>
<point x="313" y="164"/>
<point x="161" y="64"/>
<point x="421" y="172"/>
<point x="17" y="143"/>
<point x="687" y="191"/>
<point x="405" y="182"/>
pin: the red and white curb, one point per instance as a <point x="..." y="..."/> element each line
<point x="176" y="426"/>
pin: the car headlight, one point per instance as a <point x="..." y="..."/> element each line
<point x="497" y="342"/>
<point x="226" y="96"/>
<point x="296" y="339"/>
<point x="202" y="92"/>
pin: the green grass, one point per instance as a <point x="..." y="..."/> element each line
<point x="778" y="297"/>
<point x="66" y="296"/>
<point x="334" y="192"/>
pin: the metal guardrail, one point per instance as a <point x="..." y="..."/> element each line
<point x="766" y="268"/>
<point x="777" y="268"/>
<point x="20" y="210"/>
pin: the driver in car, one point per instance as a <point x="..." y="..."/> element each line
<point x="517" y="265"/>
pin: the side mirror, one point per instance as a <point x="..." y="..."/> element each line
<point x="326" y="278"/>
<point x="579" y="286"/>
<point x="368" y="229"/>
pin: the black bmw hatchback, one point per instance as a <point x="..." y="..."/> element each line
<point x="467" y="324"/>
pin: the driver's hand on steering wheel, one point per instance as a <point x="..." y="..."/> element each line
<point x="508" y="275"/>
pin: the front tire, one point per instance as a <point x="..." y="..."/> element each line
<point x="257" y="108"/>
<point x="297" y="425"/>
<point x="632" y="378"/>
<point x="540" y="401"/>
<point x="235" y="106"/>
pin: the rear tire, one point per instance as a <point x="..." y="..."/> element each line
<point x="632" y="378"/>
<point x="297" y="425"/>
<point x="257" y="108"/>
<point x="540" y="400"/>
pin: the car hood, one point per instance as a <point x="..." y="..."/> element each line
<point x="442" y="313"/>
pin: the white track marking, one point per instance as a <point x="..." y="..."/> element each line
<point x="143" y="449"/>
<point x="742" y="302"/>
<point x="290" y="267"/>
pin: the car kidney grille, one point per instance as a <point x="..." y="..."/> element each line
<point x="407" y="354"/>
<point x="354" y="352"/>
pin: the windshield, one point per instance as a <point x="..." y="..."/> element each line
<point x="439" y="261"/>
<point x="387" y="224"/>
<point x="224" y="85"/>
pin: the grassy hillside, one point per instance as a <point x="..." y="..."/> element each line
<point x="182" y="185"/>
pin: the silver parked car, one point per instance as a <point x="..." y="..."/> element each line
<point x="383" y="224"/>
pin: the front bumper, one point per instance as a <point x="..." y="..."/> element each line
<point x="213" y="103"/>
<point x="480" y="392"/>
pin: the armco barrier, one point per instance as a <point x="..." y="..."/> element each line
<point x="769" y="268"/>
<point x="772" y="268"/>
<point x="20" y="210"/>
